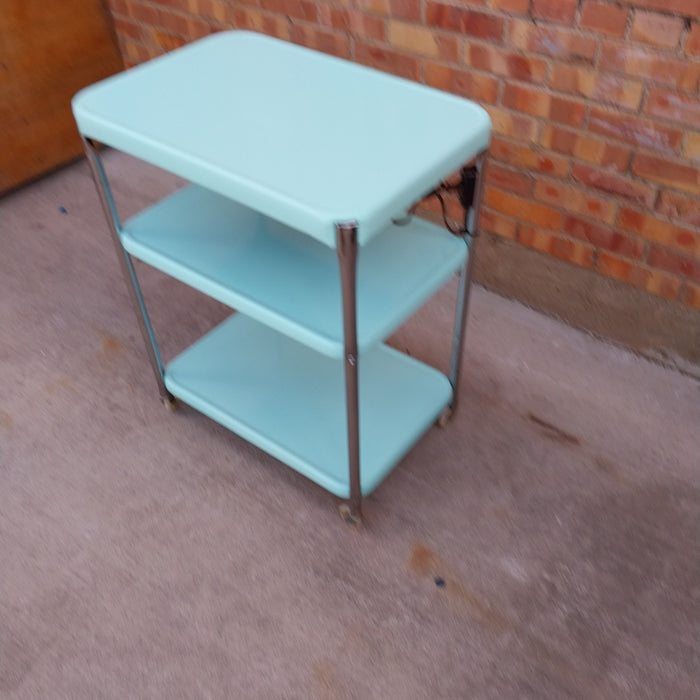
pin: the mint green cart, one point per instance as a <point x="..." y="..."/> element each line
<point x="304" y="171"/>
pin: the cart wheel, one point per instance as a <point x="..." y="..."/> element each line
<point x="445" y="417"/>
<point x="348" y="516"/>
<point x="170" y="403"/>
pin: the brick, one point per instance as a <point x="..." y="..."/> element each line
<point x="653" y="281"/>
<point x="655" y="65"/>
<point x="357" y="23"/>
<point x="689" y="8"/>
<point x="144" y="14"/>
<point x="475" y="86"/>
<point x="297" y="9"/>
<point x="132" y="30"/>
<point x="526" y="99"/>
<point x="508" y="179"/>
<point x="135" y="54"/>
<point x="602" y="210"/>
<point x="674" y="262"/>
<point x="656" y="29"/>
<point x="558" y="138"/>
<point x="568" y="111"/>
<point x="604" y="18"/>
<point x="506" y="63"/>
<point x="387" y="60"/>
<point x="555" y="42"/>
<point x="528" y="157"/>
<point x="603" y="237"/>
<point x="246" y="18"/>
<point x="575" y="200"/>
<point x="654" y="229"/>
<point x="523" y="209"/>
<point x="692" y="44"/>
<point x="613" y="90"/>
<point x="216" y="7"/>
<point x="199" y="29"/>
<point x="416" y="39"/>
<point x="666" y="172"/>
<point x="327" y="42"/>
<point x="614" y="184"/>
<point x="631" y="129"/>
<point x="212" y="11"/>
<point x="396" y="9"/>
<point x="493" y="222"/>
<point x="563" y="11"/>
<point x="441" y="76"/>
<point x="599" y="152"/>
<point x="557" y="246"/>
<point x="598" y="86"/>
<point x="691" y="149"/>
<point x="624" y="270"/>
<point x="166" y="41"/>
<point x="183" y="26"/>
<point x="512" y="124"/>
<point x="674" y="106"/>
<point x="663" y="285"/>
<point x="585" y="147"/>
<point x="690" y="295"/>
<point x="541" y="104"/>
<point x="679" y="207"/>
<point x="520" y="7"/>
<point x="192" y="7"/>
<point x="466" y="21"/>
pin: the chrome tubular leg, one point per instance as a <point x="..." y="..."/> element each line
<point x="465" y="278"/>
<point x="127" y="267"/>
<point x="346" y="240"/>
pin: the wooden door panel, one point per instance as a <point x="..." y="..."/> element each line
<point x="49" y="49"/>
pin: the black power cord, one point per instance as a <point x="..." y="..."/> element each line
<point x="466" y="190"/>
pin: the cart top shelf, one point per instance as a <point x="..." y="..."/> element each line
<point x="302" y="137"/>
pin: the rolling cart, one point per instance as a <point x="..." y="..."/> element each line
<point x="304" y="169"/>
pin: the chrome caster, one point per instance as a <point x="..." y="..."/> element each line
<point x="445" y="417"/>
<point x="350" y="516"/>
<point x="170" y="403"/>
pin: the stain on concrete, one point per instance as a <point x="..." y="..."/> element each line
<point x="111" y="346"/>
<point x="327" y="685"/>
<point x="468" y="603"/>
<point x="423" y="560"/>
<point x="461" y="599"/>
<point x="553" y="432"/>
<point x="331" y="679"/>
<point x="465" y="602"/>
<point x="57" y="385"/>
<point x="502" y="514"/>
<point x="610" y="469"/>
<point x="6" y="420"/>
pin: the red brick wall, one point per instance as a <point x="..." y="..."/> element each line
<point x="595" y="107"/>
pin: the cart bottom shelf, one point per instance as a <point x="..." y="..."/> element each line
<point x="290" y="401"/>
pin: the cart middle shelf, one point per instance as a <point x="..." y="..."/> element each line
<point x="285" y="279"/>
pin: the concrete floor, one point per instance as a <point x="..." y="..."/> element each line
<point x="544" y="545"/>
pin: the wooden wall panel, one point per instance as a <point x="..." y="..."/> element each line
<point x="49" y="49"/>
